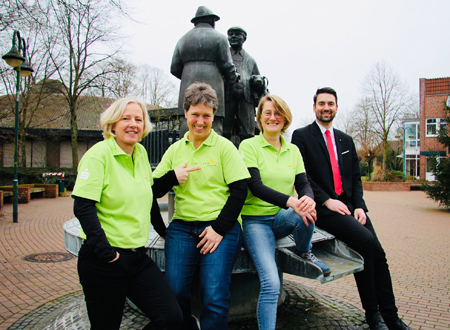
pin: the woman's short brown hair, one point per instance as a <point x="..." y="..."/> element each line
<point x="200" y="93"/>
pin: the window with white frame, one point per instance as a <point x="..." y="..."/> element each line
<point x="434" y="125"/>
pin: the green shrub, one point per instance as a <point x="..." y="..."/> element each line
<point x="410" y="178"/>
<point x="393" y="176"/>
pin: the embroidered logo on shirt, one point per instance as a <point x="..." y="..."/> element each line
<point x="146" y="175"/>
<point x="242" y="154"/>
<point x="213" y="162"/>
<point x="84" y="175"/>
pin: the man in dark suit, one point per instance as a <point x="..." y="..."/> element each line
<point x="332" y="167"/>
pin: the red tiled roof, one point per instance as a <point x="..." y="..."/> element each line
<point x="437" y="86"/>
<point x="53" y="112"/>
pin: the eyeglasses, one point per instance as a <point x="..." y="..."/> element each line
<point x="268" y="114"/>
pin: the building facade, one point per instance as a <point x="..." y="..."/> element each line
<point x="434" y="97"/>
<point x="48" y="138"/>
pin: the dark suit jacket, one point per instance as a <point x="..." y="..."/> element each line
<point x="315" y="155"/>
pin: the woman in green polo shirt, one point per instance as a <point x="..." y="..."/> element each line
<point x="271" y="211"/>
<point x="114" y="204"/>
<point x="204" y="234"/>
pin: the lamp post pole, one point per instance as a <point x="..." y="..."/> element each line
<point x="17" y="61"/>
<point x="16" y="153"/>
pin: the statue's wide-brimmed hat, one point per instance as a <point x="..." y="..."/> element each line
<point x="202" y="12"/>
<point x="237" y="28"/>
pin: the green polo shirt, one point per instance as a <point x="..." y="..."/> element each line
<point x="203" y="195"/>
<point x="277" y="170"/>
<point x="122" y="189"/>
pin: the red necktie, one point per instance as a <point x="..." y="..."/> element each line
<point x="334" y="164"/>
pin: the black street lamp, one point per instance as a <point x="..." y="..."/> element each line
<point x="23" y="69"/>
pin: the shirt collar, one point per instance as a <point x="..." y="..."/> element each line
<point x="210" y="141"/>
<point x="264" y="143"/>
<point x="323" y="129"/>
<point x="117" y="151"/>
<point x="239" y="51"/>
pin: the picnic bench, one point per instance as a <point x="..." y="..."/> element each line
<point x="27" y="191"/>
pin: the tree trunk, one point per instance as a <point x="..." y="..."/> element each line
<point x="22" y="148"/>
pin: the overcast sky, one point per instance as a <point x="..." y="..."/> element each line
<point x="302" y="45"/>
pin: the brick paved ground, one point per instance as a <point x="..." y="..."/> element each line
<point x="24" y="286"/>
<point x="415" y="233"/>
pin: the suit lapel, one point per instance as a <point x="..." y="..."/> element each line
<point x="319" y="137"/>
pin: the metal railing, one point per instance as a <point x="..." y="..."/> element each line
<point x="156" y="143"/>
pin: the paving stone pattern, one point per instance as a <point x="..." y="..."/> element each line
<point x="414" y="231"/>
<point x="303" y="308"/>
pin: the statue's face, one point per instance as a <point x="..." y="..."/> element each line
<point x="236" y="38"/>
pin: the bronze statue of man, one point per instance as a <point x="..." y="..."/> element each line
<point x="242" y="97"/>
<point x="203" y="55"/>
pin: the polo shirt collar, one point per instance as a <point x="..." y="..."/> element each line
<point x="210" y="141"/>
<point x="117" y="151"/>
<point x="284" y="145"/>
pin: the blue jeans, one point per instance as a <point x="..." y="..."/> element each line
<point x="183" y="258"/>
<point x="260" y="233"/>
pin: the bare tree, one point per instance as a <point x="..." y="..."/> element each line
<point x="344" y="121"/>
<point x="31" y="92"/>
<point x="10" y="13"/>
<point x="155" y="87"/>
<point x="121" y="80"/>
<point x="362" y="131"/>
<point x="80" y="30"/>
<point x="388" y="99"/>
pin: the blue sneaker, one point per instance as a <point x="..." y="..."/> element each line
<point x="312" y="258"/>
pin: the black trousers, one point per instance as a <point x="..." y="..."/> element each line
<point x="374" y="282"/>
<point x="133" y="275"/>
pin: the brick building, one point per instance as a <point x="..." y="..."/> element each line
<point x="434" y="95"/>
<point x="48" y="138"/>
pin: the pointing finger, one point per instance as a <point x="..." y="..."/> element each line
<point x="190" y="169"/>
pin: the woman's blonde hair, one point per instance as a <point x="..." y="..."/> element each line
<point x="115" y="112"/>
<point x="280" y="105"/>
